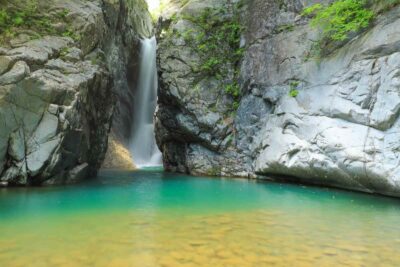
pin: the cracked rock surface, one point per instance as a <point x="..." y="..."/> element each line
<point x="57" y="95"/>
<point x="341" y="130"/>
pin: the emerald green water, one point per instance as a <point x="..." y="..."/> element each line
<point x="150" y="218"/>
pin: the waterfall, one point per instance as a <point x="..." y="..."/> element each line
<point x="142" y="143"/>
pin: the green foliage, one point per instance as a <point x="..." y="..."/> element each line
<point x="26" y="15"/>
<point x="311" y="10"/>
<point x="63" y="14"/>
<point x="4" y="18"/>
<point x="340" y="18"/>
<point x="18" y="21"/>
<point x="233" y="89"/>
<point x="216" y="39"/>
<point x="64" y="52"/>
<point x="71" y="34"/>
<point x="17" y="15"/>
<point x="294" y="92"/>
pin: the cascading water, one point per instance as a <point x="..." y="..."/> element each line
<point x="143" y="145"/>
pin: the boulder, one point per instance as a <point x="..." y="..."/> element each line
<point x="18" y="72"/>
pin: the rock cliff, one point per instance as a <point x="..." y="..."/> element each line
<point x="341" y="129"/>
<point x="59" y="87"/>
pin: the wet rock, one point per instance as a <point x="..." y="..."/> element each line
<point x="78" y="173"/>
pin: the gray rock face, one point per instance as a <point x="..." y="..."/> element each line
<point x="193" y="123"/>
<point x="57" y="96"/>
<point x="19" y="71"/>
<point x="128" y="22"/>
<point x="5" y="63"/>
<point x="341" y="130"/>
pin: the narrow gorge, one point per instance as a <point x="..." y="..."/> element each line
<point x="199" y="133"/>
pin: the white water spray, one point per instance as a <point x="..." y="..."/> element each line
<point x="143" y="145"/>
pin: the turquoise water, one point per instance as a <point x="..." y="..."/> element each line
<point x="151" y="218"/>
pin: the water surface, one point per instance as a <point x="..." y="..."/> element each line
<point x="149" y="218"/>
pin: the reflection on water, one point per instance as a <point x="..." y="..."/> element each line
<point x="152" y="219"/>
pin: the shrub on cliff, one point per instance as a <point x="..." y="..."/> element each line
<point x="16" y="16"/>
<point x="216" y="39"/>
<point x="340" y="18"/>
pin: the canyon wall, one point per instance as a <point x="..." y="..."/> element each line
<point x="59" y="90"/>
<point x="340" y="130"/>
